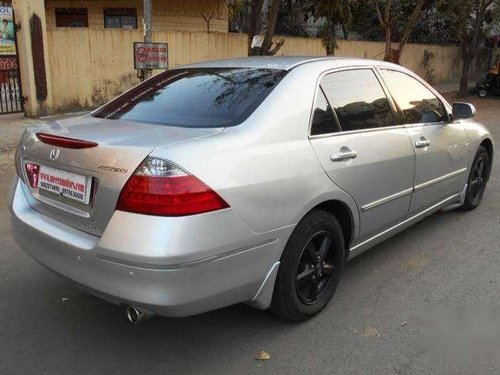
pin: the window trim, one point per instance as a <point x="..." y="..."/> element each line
<point x="392" y="105"/>
<point x="400" y="114"/>
<point x="334" y="115"/>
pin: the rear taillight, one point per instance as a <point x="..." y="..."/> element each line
<point x="159" y="187"/>
<point x="32" y="172"/>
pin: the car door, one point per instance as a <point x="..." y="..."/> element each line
<point x="354" y="134"/>
<point x="440" y="145"/>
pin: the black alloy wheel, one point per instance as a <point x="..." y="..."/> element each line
<point x="478" y="177"/>
<point x="315" y="267"/>
<point x="310" y="267"/>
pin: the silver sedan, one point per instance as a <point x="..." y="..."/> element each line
<point x="247" y="180"/>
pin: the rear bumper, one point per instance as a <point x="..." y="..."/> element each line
<point x="152" y="278"/>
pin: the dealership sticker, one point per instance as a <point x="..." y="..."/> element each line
<point x="66" y="184"/>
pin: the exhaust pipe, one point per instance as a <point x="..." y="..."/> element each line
<point x="135" y="316"/>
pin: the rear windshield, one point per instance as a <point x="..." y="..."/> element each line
<point x="195" y="98"/>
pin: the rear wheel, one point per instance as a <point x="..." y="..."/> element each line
<point x="478" y="177"/>
<point x="482" y="93"/>
<point x="310" y="267"/>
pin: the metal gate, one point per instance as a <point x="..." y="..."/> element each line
<point x="11" y="98"/>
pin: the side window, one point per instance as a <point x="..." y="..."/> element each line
<point x="323" y="120"/>
<point x="357" y="99"/>
<point x="417" y="102"/>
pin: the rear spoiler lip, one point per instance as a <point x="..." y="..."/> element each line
<point x="65" y="142"/>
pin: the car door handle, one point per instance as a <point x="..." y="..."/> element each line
<point x="422" y="142"/>
<point x="344" y="155"/>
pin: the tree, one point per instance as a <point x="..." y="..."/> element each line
<point x="335" y="12"/>
<point x="255" y="23"/>
<point x="433" y="27"/>
<point x="292" y="17"/>
<point x="469" y="19"/>
<point x="365" y="21"/>
<point x="390" y="16"/>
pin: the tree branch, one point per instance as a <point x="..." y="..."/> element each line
<point x="411" y="23"/>
<point x="377" y="8"/>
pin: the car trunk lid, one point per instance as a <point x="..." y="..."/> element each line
<point x="84" y="162"/>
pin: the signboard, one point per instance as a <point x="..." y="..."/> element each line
<point x="7" y="29"/>
<point x="150" y="55"/>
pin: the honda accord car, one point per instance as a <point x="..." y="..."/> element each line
<point x="247" y="180"/>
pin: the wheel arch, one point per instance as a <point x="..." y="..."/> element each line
<point x="487" y="143"/>
<point x="345" y="217"/>
<point x="343" y="213"/>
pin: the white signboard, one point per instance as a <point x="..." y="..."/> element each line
<point x="150" y="55"/>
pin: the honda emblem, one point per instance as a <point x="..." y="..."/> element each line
<point x="54" y="153"/>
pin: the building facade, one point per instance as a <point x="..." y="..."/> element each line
<point x="42" y="29"/>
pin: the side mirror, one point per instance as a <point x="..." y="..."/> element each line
<point x="463" y="110"/>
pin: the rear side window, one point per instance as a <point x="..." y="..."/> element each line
<point x="417" y="103"/>
<point x="357" y="99"/>
<point x="195" y="98"/>
<point x="323" y="120"/>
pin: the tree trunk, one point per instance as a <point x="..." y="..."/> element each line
<point x="464" y="79"/>
<point x="393" y="55"/>
<point x="268" y="38"/>
<point x="254" y="22"/>
<point x="345" y="32"/>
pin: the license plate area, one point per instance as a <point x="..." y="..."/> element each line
<point x="65" y="186"/>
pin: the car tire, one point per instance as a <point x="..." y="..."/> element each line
<point x="304" y="285"/>
<point x="478" y="177"/>
<point x="482" y="93"/>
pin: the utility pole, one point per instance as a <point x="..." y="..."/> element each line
<point x="148" y="31"/>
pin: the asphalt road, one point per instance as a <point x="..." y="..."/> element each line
<point x="383" y="319"/>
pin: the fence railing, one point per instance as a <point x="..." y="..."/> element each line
<point x="10" y="92"/>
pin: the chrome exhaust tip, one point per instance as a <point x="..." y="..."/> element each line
<point x="134" y="315"/>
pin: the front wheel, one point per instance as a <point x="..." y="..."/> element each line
<point x="478" y="177"/>
<point x="310" y="267"/>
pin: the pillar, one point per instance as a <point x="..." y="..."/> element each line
<point x="33" y="56"/>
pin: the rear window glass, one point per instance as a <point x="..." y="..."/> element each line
<point x="196" y="98"/>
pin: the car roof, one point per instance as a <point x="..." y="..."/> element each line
<point x="283" y="62"/>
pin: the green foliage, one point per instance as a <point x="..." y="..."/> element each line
<point x="470" y="21"/>
<point x="335" y="12"/>
<point x="365" y="21"/>
<point x="292" y="17"/>
<point x="338" y="11"/>
<point x="434" y="27"/>
<point x="328" y="39"/>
